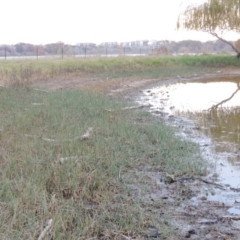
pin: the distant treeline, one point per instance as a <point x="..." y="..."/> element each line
<point x="138" y="47"/>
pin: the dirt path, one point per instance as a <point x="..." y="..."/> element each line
<point x="122" y="86"/>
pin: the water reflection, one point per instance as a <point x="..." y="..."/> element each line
<point x="186" y="106"/>
<point x="194" y="99"/>
<point x="196" y="96"/>
<point x="223" y="126"/>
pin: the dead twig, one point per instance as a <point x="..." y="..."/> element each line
<point x="200" y="179"/>
<point x="41" y="90"/>
<point x="136" y="107"/>
<point x="123" y="236"/>
<point x="235" y="189"/>
<point x="212" y="183"/>
<point x="132" y="107"/>
<point x="236" y="218"/>
<point x="37" y="104"/>
<point x="45" y="230"/>
<point x="64" y="159"/>
<point x="85" y="136"/>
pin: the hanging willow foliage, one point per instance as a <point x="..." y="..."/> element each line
<point x="213" y="16"/>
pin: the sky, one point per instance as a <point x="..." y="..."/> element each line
<point x="79" y="21"/>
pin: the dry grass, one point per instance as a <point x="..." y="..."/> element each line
<point x="13" y="72"/>
<point x="82" y="186"/>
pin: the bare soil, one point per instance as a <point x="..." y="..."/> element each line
<point x="121" y="86"/>
<point x="183" y="201"/>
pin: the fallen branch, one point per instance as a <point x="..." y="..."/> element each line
<point x="200" y="179"/>
<point x="37" y="104"/>
<point x="45" y="230"/>
<point x="136" y="107"/>
<point x="123" y="236"/>
<point x="236" y="218"/>
<point x="132" y="107"/>
<point x="235" y="189"/>
<point x="212" y="183"/>
<point x="64" y="159"/>
<point x="85" y="136"/>
<point x="41" y="90"/>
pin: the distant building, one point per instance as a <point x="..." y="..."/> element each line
<point x="141" y="43"/>
<point x="152" y="43"/>
<point x="108" y="44"/>
<point x="83" y="45"/>
<point x="125" y="44"/>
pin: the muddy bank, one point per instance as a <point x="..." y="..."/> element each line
<point x="184" y="202"/>
<point x="194" y="207"/>
<point x="127" y="86"/>
<point x="201" y="208"/>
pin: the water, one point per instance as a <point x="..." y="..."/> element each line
<point x="187" y="105"/>
<point x="233" y="210"/>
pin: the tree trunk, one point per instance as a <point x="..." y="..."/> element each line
<point x="225" y="41"/>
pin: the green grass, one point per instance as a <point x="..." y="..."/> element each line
<point x="86" y="196"/>
<point x="15" y="71"/>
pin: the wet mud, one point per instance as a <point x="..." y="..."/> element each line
<point x="207" y="207"/>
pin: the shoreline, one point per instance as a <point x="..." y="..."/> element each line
<point x="204" y="197"/>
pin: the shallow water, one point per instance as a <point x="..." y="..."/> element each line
<point x="187" y="104"/>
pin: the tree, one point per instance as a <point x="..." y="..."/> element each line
<point x="215" y="17"/>
<point x="237" y="44"/>
<point x="19" y="47"/>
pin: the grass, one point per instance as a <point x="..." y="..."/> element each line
<point x="87" y="195"/>
<point x="85" y="186"/>
<point x="15" y="71"/>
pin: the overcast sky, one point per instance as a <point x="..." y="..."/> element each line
<point x="75" y="21"/>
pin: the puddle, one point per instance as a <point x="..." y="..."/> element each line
<point x="234" y="211"/>
<point x="185" y="105"/>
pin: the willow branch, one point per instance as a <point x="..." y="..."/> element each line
<point x="225" y="41"/>
<point x="225" y="100"/>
